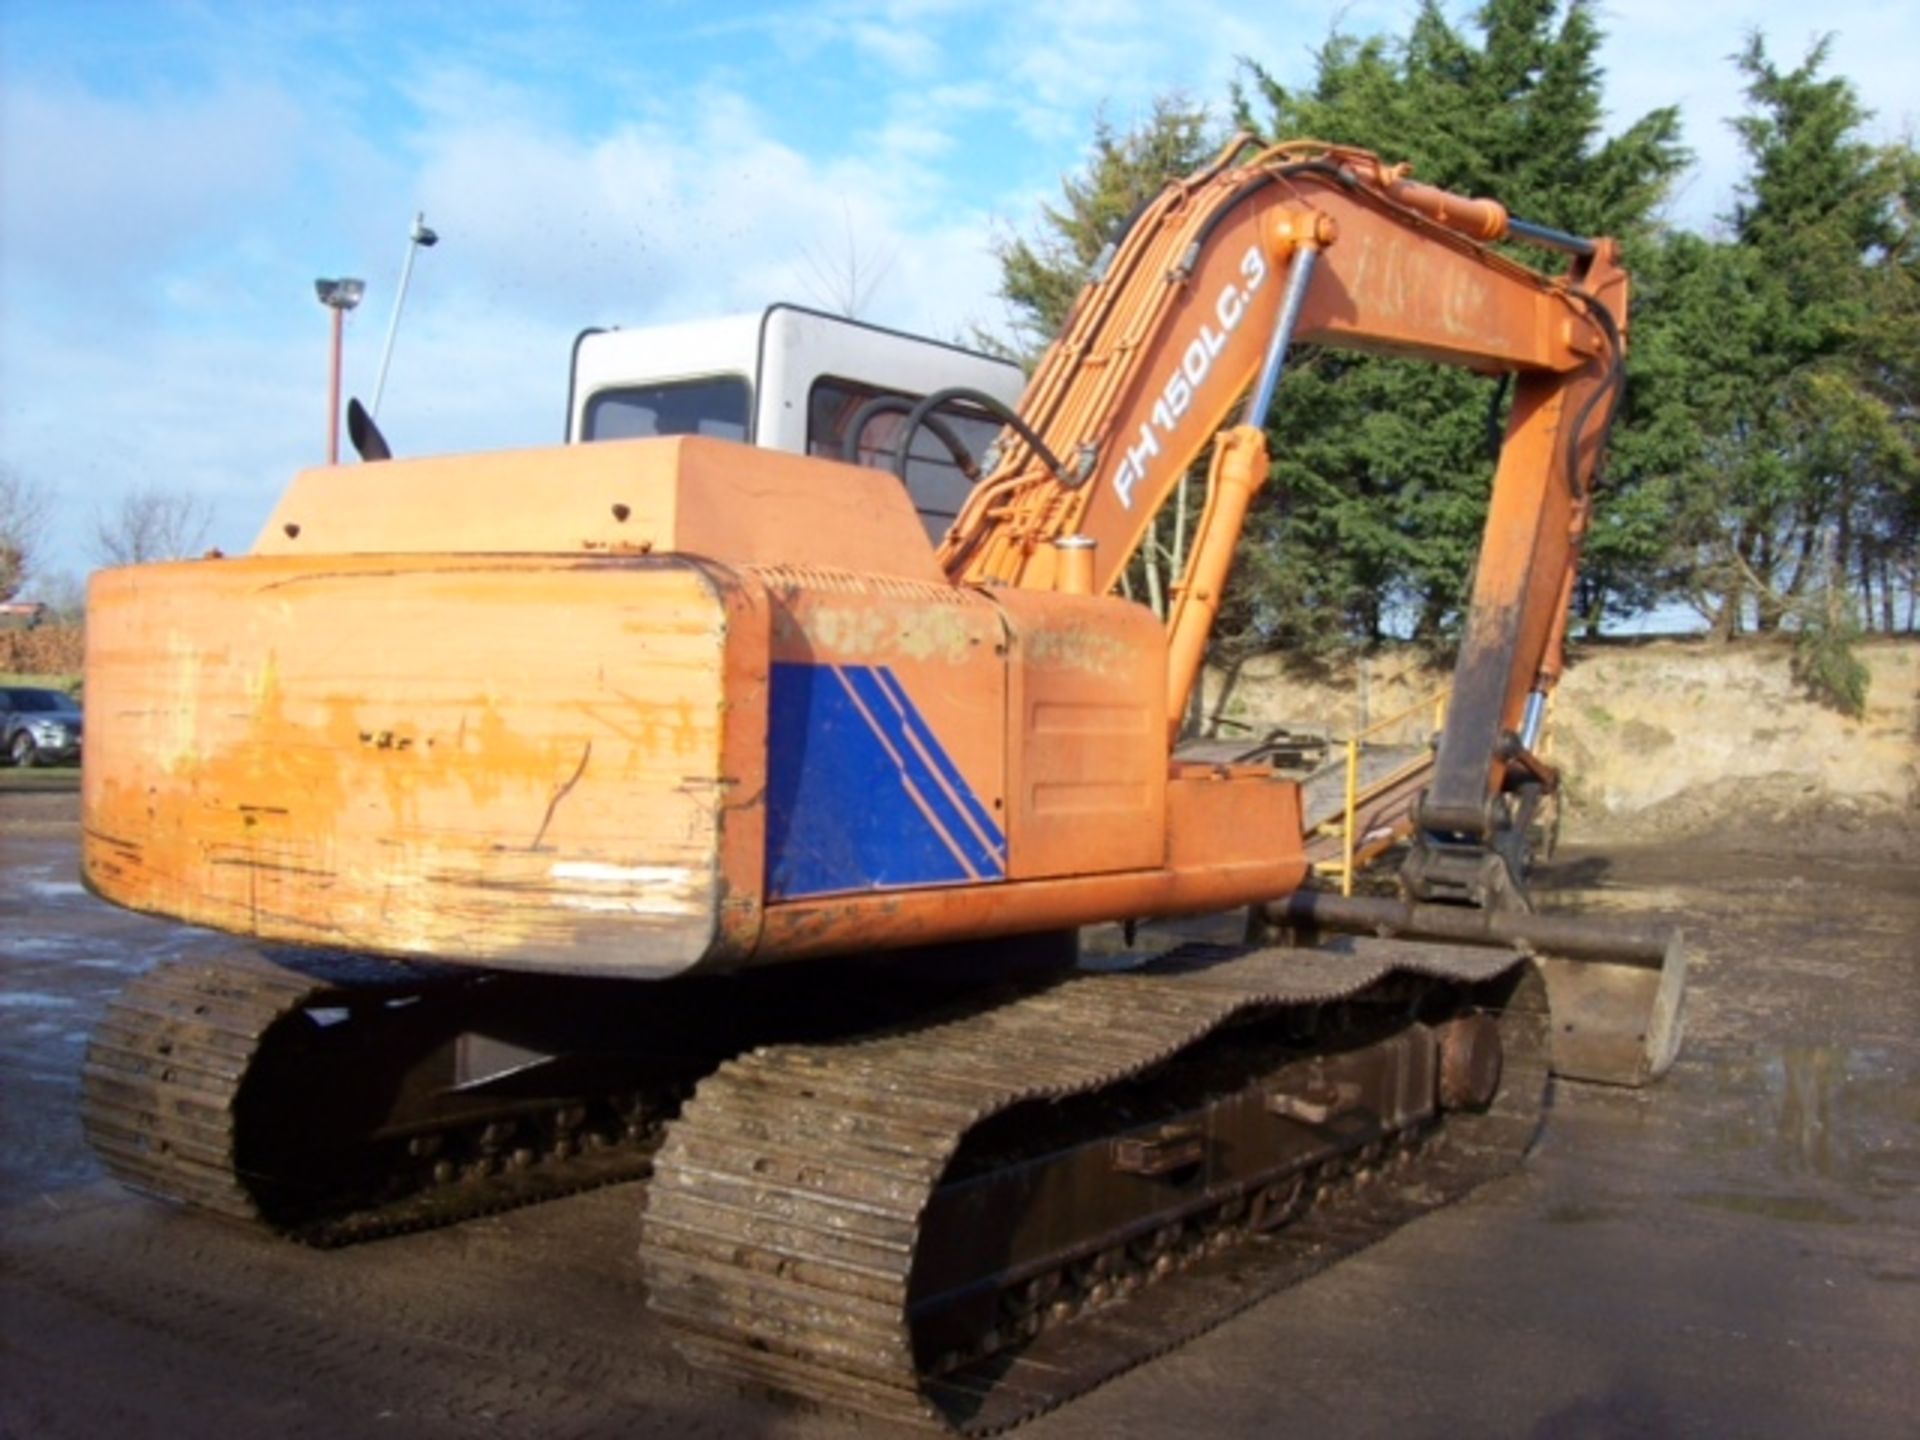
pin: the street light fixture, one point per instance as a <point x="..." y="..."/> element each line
<point x="338" y="296"/>
<point x="421" y="237"/>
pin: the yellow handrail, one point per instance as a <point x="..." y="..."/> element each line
<point x="1347" y="819"/>
<point x="1353" y="799"/>
<point x="1437" y="699"/>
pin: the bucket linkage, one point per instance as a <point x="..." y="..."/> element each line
<point x="1615" y="989"/>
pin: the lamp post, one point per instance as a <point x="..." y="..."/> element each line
<point x="338" y="296"/>
<point x="421" y="237"/>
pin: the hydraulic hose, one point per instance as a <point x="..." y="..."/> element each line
<point x="900" y="405"/>
<point x="1610" y="390"/>
<point x="1498" y="399"/>
<point x="917" y="417"/>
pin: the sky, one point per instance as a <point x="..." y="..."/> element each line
<point x="175" y="176"/>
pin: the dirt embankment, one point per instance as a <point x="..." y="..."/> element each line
<point x="1660" y="739"/>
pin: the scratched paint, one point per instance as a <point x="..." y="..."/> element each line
<point x="920" y="632"/>
<point x="620" y="874"/>
<point x="1087" y="650"/>
<point x="364" y="772"/>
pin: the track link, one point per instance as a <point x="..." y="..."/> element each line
<point x="787" y="1223"/>
<point x="202" y="1070"/>
<point x="164" y="1067"/>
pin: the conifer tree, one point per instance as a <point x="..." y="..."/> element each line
<point x="1766" y="461"/>
<point x="1039" y="277"/>
<point x="1807" y="466"/>
<point x="1383" y="467"/>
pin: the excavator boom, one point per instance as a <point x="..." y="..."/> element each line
<point x="1204" y="293"/>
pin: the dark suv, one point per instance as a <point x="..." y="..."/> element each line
<point x="38" y="727"/>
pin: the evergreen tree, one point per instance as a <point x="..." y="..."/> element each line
<point x="1382" y="466"/>
<point x="1766" y="460"/>
<point x="1040" y="277"/>
<point x="1807" y="467"/>
<point x="1887" y="530"/>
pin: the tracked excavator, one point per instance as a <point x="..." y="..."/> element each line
<point x="675" y="810"/>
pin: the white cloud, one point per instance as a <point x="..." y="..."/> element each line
<point x="543" y="232"/>
<point x="158" y="240"/>
<point x="651" y="220"/>
<point x="101" y="188"/>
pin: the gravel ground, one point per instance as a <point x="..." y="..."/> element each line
<point x="1734" y="1252"/>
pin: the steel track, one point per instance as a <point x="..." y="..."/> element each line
<point x="793" y="1197"/>
<point x="176" y="1099"/>
<point x="790" y="1201"/>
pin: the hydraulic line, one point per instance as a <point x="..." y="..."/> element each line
<point x="1548" y="238"/>
<point x="1610" y="390"/>
<point x="900" y="405"/>
<point x="999" y="411"/>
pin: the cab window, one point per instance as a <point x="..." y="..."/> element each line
<point x="715" y="406"/>
<point x="935" y="482"/>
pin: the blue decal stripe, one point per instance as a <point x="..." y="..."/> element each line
<point x="938" y="768"/>
<point x="938" y="772"/>
<point x="840" y="815"/>
<point x="890" y="724"/>
<point x="933" y="806"/>
<point x="983" y="822"/>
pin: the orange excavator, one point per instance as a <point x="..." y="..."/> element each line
<point x="673" y="809"/>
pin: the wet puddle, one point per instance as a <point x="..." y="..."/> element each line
<point x="28" y="1000"/>
<point x="1824" y="1129"/>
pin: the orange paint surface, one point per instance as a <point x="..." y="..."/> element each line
<point x="1232" y="839"/>
<point x="518" y="760"/>
<point x="1086" y="743"/>
<point x="686" y="495"/>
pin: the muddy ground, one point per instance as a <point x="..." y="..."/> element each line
<point x="1736" y="1252"/>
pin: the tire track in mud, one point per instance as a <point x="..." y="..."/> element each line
<point x="490" y="1332"/>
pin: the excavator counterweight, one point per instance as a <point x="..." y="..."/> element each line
<point x="674" y="808"/>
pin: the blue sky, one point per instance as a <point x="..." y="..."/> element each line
<point x="173" y="176"/>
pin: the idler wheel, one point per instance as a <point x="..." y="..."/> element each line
<point x="1469" y="1062"/>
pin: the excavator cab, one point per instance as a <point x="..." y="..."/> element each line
<point x="793" y="379"/>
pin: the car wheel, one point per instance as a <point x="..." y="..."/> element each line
<point x="23" y="752"/>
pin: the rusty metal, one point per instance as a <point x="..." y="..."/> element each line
<point x="1616" y="1024"/>
<point x="1581" y="937"/>
<point x="1470" y="1062"/>
<point x="334" y="1098"/>
<point x="1618" y="989"/>
<point x="1167" y="1149"/>
<point x="1319" y="1104"/>
<point x="340" y="1102"/>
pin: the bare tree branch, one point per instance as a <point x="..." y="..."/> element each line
<point x="152" y="524"/>
<point x="844" y="284"/>
<point x="25" y="508"/>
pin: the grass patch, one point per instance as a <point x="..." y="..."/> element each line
<point x="40" y="780"/>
